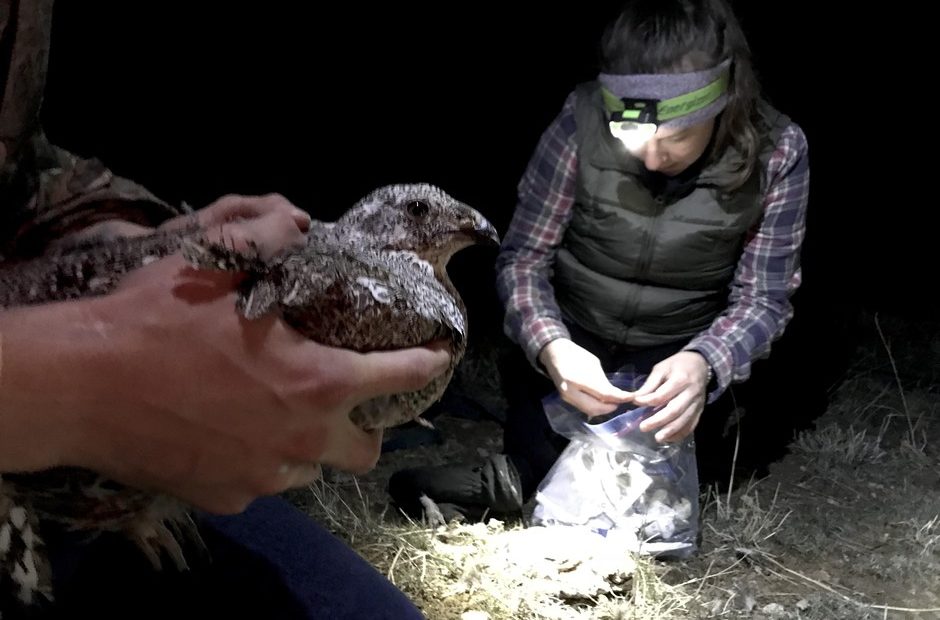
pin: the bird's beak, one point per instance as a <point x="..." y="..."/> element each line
<point x="478" y="228"/>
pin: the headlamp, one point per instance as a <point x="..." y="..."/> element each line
<point x="634" y="121"/>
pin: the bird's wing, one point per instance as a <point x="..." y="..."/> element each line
<point x="367" y="300"/>
<point x="413" y="280"/>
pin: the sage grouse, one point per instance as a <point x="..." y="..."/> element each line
<point x="374" y="279"/>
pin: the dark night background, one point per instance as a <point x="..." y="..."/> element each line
<point x="195" y="100"/>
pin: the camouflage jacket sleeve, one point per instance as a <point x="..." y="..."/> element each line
<point x="47" y="192"/>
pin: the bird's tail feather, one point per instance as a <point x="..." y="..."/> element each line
<point x="168" y="529"/>
<point x="257" y="298"/>
<point x="206" y="254"/>
<point x="259" y="292"/>
<point x="25" y="574"/>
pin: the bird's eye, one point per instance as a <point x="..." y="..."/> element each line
<point x="418" y="208"/>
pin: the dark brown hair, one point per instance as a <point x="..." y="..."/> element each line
<point x="676" y="36"/>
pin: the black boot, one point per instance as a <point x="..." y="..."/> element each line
<point x="472" y="491"/>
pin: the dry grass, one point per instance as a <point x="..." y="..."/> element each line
<point x="741" y="523"/>
<point x="928" y="535"/>
<point x="493" y="569"/>
<point x="845" y="527"/>
<point x="834" y="446"/>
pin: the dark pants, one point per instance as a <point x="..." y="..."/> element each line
<point x="272" y="561"/>
<point x="533" y="447"/>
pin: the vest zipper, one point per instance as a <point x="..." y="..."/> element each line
<point x="645" y="259"/>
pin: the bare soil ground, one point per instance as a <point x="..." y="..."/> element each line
<point x="845" y="526"/>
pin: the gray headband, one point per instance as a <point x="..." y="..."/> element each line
<point x="662" y="86"/>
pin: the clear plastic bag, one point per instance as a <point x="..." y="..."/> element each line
<point x="617" y="480"/>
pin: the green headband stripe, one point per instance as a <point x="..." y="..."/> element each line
<point x="612" y="102"/>
<point x="667" y="109"/>
<point x="695" y="100"/>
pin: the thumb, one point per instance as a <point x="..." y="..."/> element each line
<point x="597" y="385"/>
<point x="610" y="393"/>
<point x="655" y="379"/>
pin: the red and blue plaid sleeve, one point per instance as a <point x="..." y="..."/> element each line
<point x="546" y="195"/>
<point x="768" y="272"/>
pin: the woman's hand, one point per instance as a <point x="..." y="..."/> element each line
<point x="676" y="386"/>
<point x="580" y="379"/>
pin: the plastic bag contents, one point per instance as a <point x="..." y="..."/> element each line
<point x="618" y="481"/>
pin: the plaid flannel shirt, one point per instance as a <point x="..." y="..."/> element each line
<point x="766" y="276"/>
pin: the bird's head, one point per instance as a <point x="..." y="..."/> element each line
<point x="419" y="218"/>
